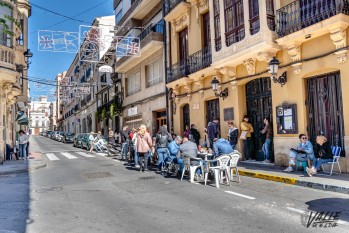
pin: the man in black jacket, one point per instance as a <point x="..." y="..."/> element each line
<point x="194" y="134"/>
<point x="124" y="142"/>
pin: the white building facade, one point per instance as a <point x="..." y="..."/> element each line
<point x="39" y="117"/>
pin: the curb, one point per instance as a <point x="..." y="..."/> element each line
<point x="294" y="181"/>
<point x="28" y="169"/>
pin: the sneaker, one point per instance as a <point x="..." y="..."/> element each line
<point x="312" y="170"/>
<point x="196" y="177"/>
<point x="137" y="166"/>
<point x="289" y="169"/>
<point x="309" y="171"/>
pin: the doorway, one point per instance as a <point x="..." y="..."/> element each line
<point x="212" y="110"/>
<point x="186" y="116"/>
<point x="259" y="105"/>
<point x="325" y="108"/>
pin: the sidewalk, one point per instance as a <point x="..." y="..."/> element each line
<point x="335" y="182"/>
<point x="34" y="162"/>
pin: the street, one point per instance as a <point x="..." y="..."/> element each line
<point x="77" y="192"/>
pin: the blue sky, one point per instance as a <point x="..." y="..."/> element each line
<point x="46" y="65"/>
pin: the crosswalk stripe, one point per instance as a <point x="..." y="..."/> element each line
<point x="52" y="157"/>
<point x="69" y="156"/>
<point x="84" y="154"/>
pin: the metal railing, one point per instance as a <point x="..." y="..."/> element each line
<point x="195" y="62"/>
<point x="159" y="28"/>
<point x="300" y="14"/>
<point x="169" y="5"/>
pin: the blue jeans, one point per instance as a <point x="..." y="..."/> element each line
<point x="136" y="155"/>
<point x="198" y="171"/>
<point x="162" y="154"/>
<point x="211" y="143"/>
<point x="178" y="161"/>
<point x="143" y="156"/>
<point x="266" y="148"/>
<point x="124" y="150"/>
<point x="247" y="148"/>
<point x="318" y="162"/>
<point x="23" y="150"/>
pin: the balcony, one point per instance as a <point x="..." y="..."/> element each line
<point x="151" y="40"/>
<point x="7" y="64"/>
<point x="195" y="62"/>
<point x="173" y="8"/>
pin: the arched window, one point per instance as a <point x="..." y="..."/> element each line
<point x="234" y="21"/>
<point x="186" y="116"/>
<point x="254" y="16"/>
<point x="217" y="25"/>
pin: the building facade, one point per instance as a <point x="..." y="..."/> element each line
<point x="238" y="40"/>
<point x="13" y="69"/>
<point x="143" y="77"/>
<point x="39" y="117"/>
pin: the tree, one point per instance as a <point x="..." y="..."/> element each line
<point x="7" y="20"/>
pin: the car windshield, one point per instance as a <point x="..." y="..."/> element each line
<point x="70" y="134"/>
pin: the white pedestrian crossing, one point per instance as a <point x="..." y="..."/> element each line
<point x="69" y="156"/>
<point x="85" y="154"/>
<point x="52" y="157"/>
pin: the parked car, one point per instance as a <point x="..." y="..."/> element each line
<point x="49" y="134"/>
<point x="60" y="136"/>
<point x="68" y="137"/>
<point x="85" y="143"/>
<point x="78" y="139"/>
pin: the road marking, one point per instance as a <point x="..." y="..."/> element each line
<point x="85" y="155"/>
<point x="52" y="157"/>
<point x="69" y="156"/>
<point x="302" y="212"/>
<point x="240" y="195"/>
<point x="102" y="154"/>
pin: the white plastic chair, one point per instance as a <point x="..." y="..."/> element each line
<point x="336" y="151"/>
<point x="223" y="162"/>
<point x="192" y="168"/>
<point x="233" y="165"/>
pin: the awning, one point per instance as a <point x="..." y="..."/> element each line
<point x="22" y="118"/>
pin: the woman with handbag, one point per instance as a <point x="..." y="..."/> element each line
<point x="144" y="143"/>
<point x="246" y="130"/>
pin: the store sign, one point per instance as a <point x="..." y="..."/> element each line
<point x="132" y="111"/>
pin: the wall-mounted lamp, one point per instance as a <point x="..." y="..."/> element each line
<point x="215" y="84"/>
<point x="273" y="70"/>
<point x="27" y="59"/>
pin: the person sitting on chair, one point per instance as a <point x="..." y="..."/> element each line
<point x="222" y="146"/>
<point x="189" y="148"/>
<point x="173" y="148"/>
<point x="323" y="154"/>
<point x="304" y="152"/>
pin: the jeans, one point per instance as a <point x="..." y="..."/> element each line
<point x="178" y="161"/>
<point x="198" y="171"/>
<point x="266" y="148"/>
<point x="162" y="154"/>
<point x="136" y="156"/>
<point x="211" y="143"/>
<point x="23" y="150"/>
<point x="143" y="157"/>
<point x="124" y="150"/>
<point x="247" y="148"/>
<point x="318" y="162"/>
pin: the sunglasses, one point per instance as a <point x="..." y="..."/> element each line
<point x="304" y="138"/>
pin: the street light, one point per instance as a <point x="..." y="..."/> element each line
<point x="273" y="70"/>
<point x="215" y="84"/>
<point x="27" y="59"/>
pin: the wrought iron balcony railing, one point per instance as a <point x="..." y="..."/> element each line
<point x="169" y="5"/>
<point x="159" y="28"/>
<point x="300" y="14"/>
<point x="195" y="62"/>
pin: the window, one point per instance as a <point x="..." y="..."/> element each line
<point x="254" y="16"/>
<point x="43" y="123"/>
<point x="36" y="123"/>
<point x="5" y="39"/>
<point x="234" y="21"/>
<point x="153" y="73"/>
<point x="118" y="17"/>
<point x="134" y="83"/>
<point x="217" y="26"/>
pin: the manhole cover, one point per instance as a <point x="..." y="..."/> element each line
<point x="48" y="189"/>
<point x="147" y="177"/>
<point x="98" y="175"/>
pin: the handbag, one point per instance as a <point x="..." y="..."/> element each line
<point x="243" y="135"/>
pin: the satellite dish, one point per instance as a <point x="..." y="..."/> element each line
<point x="105" y="69"/>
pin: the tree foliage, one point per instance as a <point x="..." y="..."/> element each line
<point x="7" y="20"/>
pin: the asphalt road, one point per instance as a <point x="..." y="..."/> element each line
<point x="76" y="194"/>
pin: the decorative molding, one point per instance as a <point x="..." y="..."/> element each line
<point x="339" y="38"/>
<point x="234" y="83"/>
<point x="200" y="84"/>
<point x="187" y="86"/>
<point x="229" y="71"/>
<point x="181" y="22"/>
<point x="295" y="52"/>
<point x="217" y="74"/>
<point x="265" y="56"/>
<point x="250" y="65"/>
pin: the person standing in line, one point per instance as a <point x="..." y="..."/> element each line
<point x="233" y="134"/>
<point x="134" y="141"/>
<point x="124" y="142"/>
<point x="23" y="139"/>
<point x="91" y="139"/>
<point x="213" y="131"/>
<point x="194" y="135"/>
<point x="246" y="130"/>
<point x="162" y="140"/>
<point x="111" y="136"/>
<point x="267" y="131"/>
<point x="144" y="143"/>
